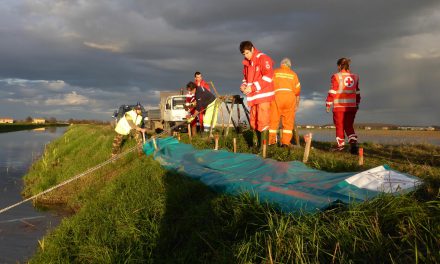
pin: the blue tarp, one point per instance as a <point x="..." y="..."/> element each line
<point x="291" y="185"/>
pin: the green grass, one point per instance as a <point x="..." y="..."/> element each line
<point x="133" y="211"/>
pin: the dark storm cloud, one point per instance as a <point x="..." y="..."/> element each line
<point x="113" y="52"/>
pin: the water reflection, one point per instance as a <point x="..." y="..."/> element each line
<point x="22" y="226"/>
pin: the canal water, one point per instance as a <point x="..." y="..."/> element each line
<point x="21" y="227"/>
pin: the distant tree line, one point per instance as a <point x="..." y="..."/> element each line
<point x="53" y="120"/>
<point x="50" y="120"/>
<point x="87" y="121"/>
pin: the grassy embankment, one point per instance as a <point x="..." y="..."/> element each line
<point x="135" y="211"/>
<point x="24" y="126"/>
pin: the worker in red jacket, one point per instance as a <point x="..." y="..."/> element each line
<point x="258" y="87"/>
<point x="198" y="80"/>
<point x="345" y="97"/>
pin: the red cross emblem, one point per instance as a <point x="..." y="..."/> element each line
<point x="348" y="81"/>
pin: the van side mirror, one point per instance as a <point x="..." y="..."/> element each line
<point x="168" y="106"/>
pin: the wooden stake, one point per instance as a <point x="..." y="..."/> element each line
<point x="223" y="119"/>
<point x="178" y="136"/>
<point x="264" y="149"/>
<point x="189" y="132"/>
<point x="143" y="137"/>
<point x="230" y="117"/>
<point x="154" y="143"/>
<point x="216" y="142"/>
<point x="234" y="141"/>
<point x="308" y="140"/>
<point x="361" y="156"/>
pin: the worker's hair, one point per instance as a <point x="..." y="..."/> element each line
<point x="246" y="45"/>
<point x="197" y="73"/>
<point x="344" y="63"/>
<point x="286" y="61"/>
<point x="191" y="86"/>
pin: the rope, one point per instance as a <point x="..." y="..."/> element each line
<point x="86" y="172"/>
<point x="79" y="175"/>
<point x="69" y="180"/>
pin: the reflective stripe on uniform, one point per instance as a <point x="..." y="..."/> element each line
<point x="347" y="101"/>
<point x="286" y="131"/>
<point x="257" y="85"/>
<point x="258" y="96"/>
<point x="283" y="89"/>
<point x="284" y="75"/>
<point x="267" y="79"/>
<point x="348" y="91"/>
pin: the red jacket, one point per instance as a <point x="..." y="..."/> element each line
<point x="203" y="84"/>
<point x="258" y="73"/>
<point x="344" y="92"/>
<point x="189" y="103"/>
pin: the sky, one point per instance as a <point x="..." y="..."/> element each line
<point x="81" y="59"/>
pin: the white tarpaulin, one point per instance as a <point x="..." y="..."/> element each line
<point x="383" y="179"/>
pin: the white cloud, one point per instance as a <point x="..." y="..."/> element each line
<point x="68" y="99"/>
<point x="107" y="47"/>
<point x="56" y="85"/>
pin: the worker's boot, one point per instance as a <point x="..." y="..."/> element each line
<point x="257" y="138"/>
<point x="354" y="148"/>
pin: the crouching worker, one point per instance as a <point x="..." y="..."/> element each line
<point x="204" y="100"/>
<point x="129" y="123"/>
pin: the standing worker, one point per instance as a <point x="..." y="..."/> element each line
<point x="129" y="123"/>
<point x="287" y="89"/>
<point x="198" y="80"/>
<point x="345" y="97"/>
<point x="205" y="101"/>
<point x="258" y="87"/>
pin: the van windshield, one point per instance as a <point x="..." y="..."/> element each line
<point x="178" y="103"/>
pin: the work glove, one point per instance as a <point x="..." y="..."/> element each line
<point x="190" y="119"/>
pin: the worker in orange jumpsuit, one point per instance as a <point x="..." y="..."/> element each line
<point x="345" y="97"/>
<point x="198" y="80"/>
<point x="287" y="90"/>
<point x="257" y="85"/>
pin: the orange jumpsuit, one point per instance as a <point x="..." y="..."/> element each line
<point x="287" y="89"/>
